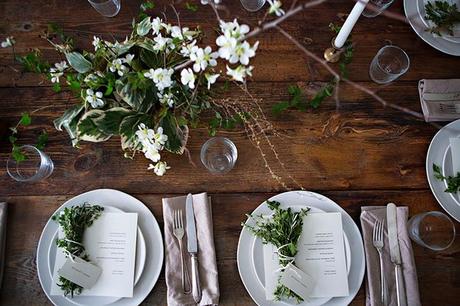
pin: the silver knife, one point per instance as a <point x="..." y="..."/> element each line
<point x="192" y="247"/>
<point x="395" y="253"/>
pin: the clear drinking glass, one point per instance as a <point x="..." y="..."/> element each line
<point x="35" y="167"/>
<point x="253" y="5"/>
<point x="378" y="7"/>
<point x="388" y="64"/>
<point x="219" y="155"/>
<point x="433" y="230"/>
<point x="107" y="8"/>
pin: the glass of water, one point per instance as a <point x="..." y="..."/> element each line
<point x="253" y="5"/>
<point x="35" y="166"/>
<point x="376" y="7"/>
<point x="433" y="230"/>
<point x="219" y="155"/>
<point x="389" y="64"/>
<point x="107" y="8"/>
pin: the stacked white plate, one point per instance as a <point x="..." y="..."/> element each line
<point x="440" y="153"/>
<point x="149" y="249"/>
<point x="415" y="13"/>
<point x="250" y="250"/>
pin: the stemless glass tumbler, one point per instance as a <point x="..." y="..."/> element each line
<point x="107" y="8"/>
<point x="433" y="230"/>
<point x="219" y="155"/>
<point x="376" y="7"/>
<point x="36" y="165"/>
<point x="388" y="64"/>
<point x="252" y="5"/>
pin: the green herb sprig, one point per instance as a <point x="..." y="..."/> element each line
<point x="42" y="139"/>
<point x="453" y="182"/>
<point x="74" y="221"/>
<point x="283" y="230"/>
<point x="298" y="99"/>
<point x="443" y="14"/>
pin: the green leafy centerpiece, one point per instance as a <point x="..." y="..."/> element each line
<point x="73" y="222"/>
<point x="282" y="229"/>
<point x="149" y="88"/>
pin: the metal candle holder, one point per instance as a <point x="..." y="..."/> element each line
<point x="332" y="54"/>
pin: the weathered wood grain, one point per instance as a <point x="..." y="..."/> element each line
<point x="29" y="214"/>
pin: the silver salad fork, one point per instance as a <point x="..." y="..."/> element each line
<point x="178" y="231"/>
<point x="377" y="240"/>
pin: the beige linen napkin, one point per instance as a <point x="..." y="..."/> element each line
<point x="206" y="252"/>
<point x="3" y="214"/>
<point x="368" y="216"/>
<point x="440" y="99"/>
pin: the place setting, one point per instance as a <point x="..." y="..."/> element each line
<point x="166" y="92"/>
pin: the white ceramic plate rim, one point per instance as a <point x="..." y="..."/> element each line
<point x="436" y="154"/>
<point x="356" y="276"/>
<point x="152" y="235"/>
<point x="139" y="266"/>
<point x="418" y="24"/>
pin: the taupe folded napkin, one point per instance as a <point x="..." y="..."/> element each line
<point x="3" y="214"/>
<point x="440" y="99"/>
<point x="368" y="216"/>
<point x="206" y="252"/>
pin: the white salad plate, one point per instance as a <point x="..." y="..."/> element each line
<point x="249" y="247"/>
<point x="415" y="13"/>
<point x="439" y="153"/>
<point x="149" y="243"/>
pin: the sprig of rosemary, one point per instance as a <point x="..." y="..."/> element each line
<point x="443" y="14"/>
<point x="283" y="230"/>
<point x="74" y="221"/>
<point x="453" y="182"/>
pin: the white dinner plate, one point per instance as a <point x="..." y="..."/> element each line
<point x="148" y="226"/>
<point x="102" y="300"/>
<point x="439" y="153"/>
<point x="415" y="13"/>
<point x="251" y="272"/>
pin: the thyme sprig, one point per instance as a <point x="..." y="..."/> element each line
<point x="283" y="230"/>
<point x="74" y="221"/>
<point x="453" y="182"/>
<point x="444" y="15"/>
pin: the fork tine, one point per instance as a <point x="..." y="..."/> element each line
<point x="380" y="231"/>
<point x="181" y="219"/>
<point x="175" y="218"/>
<point x="374" y="231"/>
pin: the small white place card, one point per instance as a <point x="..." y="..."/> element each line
<point x="298" y="281"/>
<point x="80" y="272"/>
<point x="111" y="244"/>
<point x="455" y="152"/>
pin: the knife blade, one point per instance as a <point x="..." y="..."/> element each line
<point x="395" y="253"/>
<point x="192" y="247"/>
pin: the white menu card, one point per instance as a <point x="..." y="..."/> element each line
<point x="455" y="151"/>
<point x="321" y="255"/>
<point x="111" y="244"/>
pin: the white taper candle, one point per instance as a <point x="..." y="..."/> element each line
<point x="350" y="23"/>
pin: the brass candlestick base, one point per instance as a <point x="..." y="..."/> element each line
<point x="332" y="54"/>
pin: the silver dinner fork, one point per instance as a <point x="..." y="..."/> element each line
<point x="178" y="231"/>
<point x="377" y="240"/>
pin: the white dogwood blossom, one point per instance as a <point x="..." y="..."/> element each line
<point x="275" y="8"/>
<point x="161" y="43"/>
<point x="211" y="78"/>
<point x="159" y="168"/>
<point x="97" y="43"/>
<point x="203" y="58"/>
<point x="151" y="144"/>
<point x="94" y="98"/>
<point x="8" y="42"/>
<point x="186" y="50"/>
<point x="187" y="77"/>
<point x="240" y="72"/>
<point x="117" y="66"/>
<point x="57" y="71"/>
<point x="161" y="77"/>
<point x="166" y="98"/>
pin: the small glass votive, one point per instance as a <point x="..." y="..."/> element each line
<point x="389" y="63"/>
<point x="376" y="7"/>
<point x="252" y="5"/>
<point x="433" y="230"/>
<point x="107" y="8"/>
<point x="219" y="155"/>
<point x="35" y="167"/>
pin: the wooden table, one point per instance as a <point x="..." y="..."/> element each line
<point x="363" y="155"/>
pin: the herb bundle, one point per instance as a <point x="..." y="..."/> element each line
<point x="283" y="230"/>
<point x="443" y="14"/>
<point x="74" y="221"/>
<point x="453" y="182"/>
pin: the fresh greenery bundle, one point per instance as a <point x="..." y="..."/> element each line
<point x="283" y="230"/>
<point x="74" y="221"/>
<point x="453" y="182"/>
<point x="443" y="14"/>
<point x="147" y="89"/>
